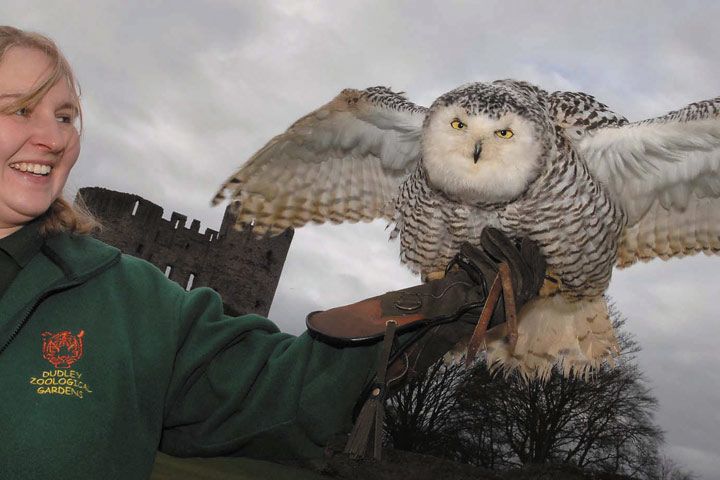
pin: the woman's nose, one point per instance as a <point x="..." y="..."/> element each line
<point x="47" y="133"/>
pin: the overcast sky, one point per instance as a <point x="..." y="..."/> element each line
<point x="178" y="94"/>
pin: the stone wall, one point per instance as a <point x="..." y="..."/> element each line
<point x="243" y="269"/>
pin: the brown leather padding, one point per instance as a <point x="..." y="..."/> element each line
<point x="356" y="322"/>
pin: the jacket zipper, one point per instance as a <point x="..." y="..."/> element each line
<point x="74" y="281"/>
<point x="39" y="299"/>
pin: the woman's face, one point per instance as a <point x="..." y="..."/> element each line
<point x="38" y="145"/>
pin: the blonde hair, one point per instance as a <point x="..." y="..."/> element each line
<point x="62" y="216"/>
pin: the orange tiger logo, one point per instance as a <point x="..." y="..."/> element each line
<point x="62" y="349"/>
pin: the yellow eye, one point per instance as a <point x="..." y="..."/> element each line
<point x="457" y="124"/>
<point x="504" y="133"/>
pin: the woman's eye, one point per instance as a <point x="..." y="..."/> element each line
<point x="22" y="112"/>
<point x="65" y="118"/>
<point x="457" y="124"/>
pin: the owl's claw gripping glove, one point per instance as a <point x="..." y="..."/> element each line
<point x="436" y="316"/>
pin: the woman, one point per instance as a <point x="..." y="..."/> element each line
<point x="103" y="360"/>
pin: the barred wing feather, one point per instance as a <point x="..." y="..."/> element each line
<point x="665" y="173"/>
<point x="342" y="162"/>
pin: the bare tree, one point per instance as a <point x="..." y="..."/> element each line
<point x="421" y="417"/>
<point x="603" y="423"/>
<point x="669" y="469"/>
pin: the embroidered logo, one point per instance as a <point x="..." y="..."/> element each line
<point x="62" y="350"/>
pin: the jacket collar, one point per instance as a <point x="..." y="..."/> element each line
<point x="64" y="261"/>
<point x="24" y="244"/>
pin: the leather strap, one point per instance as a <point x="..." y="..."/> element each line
<point x="501" y="284"/>
<point x="372" y="415"/>
<point x="479" y="333"/>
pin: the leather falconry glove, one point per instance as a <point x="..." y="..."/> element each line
<point x="435" y="316"/>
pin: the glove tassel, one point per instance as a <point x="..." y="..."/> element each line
<point x="369" y="423"/>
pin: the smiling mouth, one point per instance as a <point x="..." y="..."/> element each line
<point x="34" y="168"/>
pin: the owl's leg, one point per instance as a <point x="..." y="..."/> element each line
<point x="434" y="276"/>
<point x="551" y="285"/>
<point x="501" y="284"/>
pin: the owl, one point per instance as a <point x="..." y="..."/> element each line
<point x="593" y="190"/>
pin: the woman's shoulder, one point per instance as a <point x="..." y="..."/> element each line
<point x="84" y="255"/>
<point x="79" y="255"/>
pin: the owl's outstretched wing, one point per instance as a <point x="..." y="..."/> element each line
<point x="665" y="173"/>
<point x="344" y="161"/>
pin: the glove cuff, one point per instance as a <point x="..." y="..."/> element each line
<point x="361" y="322"/>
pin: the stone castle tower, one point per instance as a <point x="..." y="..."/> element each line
<point x="243" y="270"/>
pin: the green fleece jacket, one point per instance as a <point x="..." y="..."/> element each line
<point x="103" y="360"/>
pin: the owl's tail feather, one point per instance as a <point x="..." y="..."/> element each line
<point x="577" y="336"/>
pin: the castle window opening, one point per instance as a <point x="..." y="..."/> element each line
<point x="190" y="281"/>
<point x="177" y="222"/>
<point x="139" y="248"/>
<point x="168" y="269"/>
<point x="135" y="207"/>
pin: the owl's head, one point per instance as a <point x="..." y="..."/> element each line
<point x="486" y="142"/>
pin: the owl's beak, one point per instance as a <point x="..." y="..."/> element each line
<point x="478" y="151"/>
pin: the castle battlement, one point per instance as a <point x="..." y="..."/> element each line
<point x="243" y="269"/>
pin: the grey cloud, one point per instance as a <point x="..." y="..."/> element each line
<point x="177" y="95"/>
